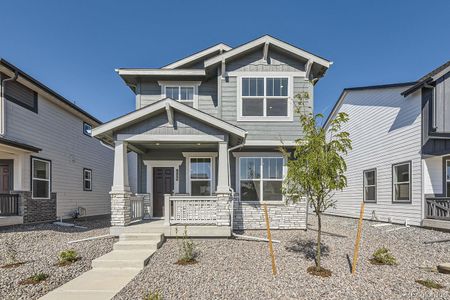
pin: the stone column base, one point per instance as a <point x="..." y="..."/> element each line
<point x="224" y="209"/>
<point x="120" y="208"/>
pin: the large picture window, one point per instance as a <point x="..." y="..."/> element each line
<point x="370" y="186"/>
<point x="401" y="175"/>
<point x="41" y="178"/>
<point x="200" y="175"/>
<point x="447" y="168"/>
<point x="265" y="98"/>
<point x="260" y="178"/>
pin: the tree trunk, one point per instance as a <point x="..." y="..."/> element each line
<point x="319" y="235"/>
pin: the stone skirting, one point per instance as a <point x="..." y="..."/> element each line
<point x="281" y="216"/>
<point x="120" y="208"/>
<point x="36" y="210"/>
<point x="223" y="210"/>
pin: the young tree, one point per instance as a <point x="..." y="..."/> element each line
<point x="316" y="167"/>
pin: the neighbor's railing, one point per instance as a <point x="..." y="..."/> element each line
<point x="438" y="208"/>
<point x="9" y="204"/>
<point x="191" y="209"/>
<point x="137" y="207"/>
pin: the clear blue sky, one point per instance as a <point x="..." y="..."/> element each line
<point x="74" y="46"/>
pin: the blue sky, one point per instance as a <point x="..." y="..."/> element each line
<point x="74" y="46"/>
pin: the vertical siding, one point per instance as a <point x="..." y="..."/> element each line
<point x="385" y="129"/>
<point x="60" y="136"/>
<point x="443" y="103"/>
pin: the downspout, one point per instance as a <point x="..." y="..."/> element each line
<point x="229" y="178"/>
<point x="2" y="99"/>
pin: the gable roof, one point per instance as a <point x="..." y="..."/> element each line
<point x="67" y="104"/>
<point x="345" y="91"/>
<point x="142" y="113"/>
<point x="267" y="39"/>
<point x="430" y="77"/>
<point x="221" y="47"/>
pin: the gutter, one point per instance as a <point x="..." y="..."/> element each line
<point x="2" y="99"/>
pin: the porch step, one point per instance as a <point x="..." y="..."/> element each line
<point x="141" y="237"/>
<point x="123" y="259"/>
<point x="138" y="244"/>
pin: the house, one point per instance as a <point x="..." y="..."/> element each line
<point x="50" y="165"/>
<point x="400" y="162"/>
<point x="206" y="132"/>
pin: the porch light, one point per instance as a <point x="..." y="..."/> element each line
<point x="157" y="144"/>
<point x="198" y="144"/>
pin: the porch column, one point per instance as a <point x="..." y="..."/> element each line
<point x="120" y="191"/>
<point x="223" y="186"/>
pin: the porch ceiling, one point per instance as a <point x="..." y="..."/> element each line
<point x="174" y="145"/>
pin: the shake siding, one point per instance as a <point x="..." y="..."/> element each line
<point x="385" y="129"/>
<point x="60" y="136"/>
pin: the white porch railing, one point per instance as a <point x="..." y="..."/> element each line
<point x="137" y="207"/>
<point x="191" y="209"/>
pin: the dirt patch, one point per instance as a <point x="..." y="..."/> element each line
<point x="13" y="265"/>
<point x="322" y="272"/>
<point x="186" y="262"/>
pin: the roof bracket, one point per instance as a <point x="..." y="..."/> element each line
<point x="266" y="52"/>
<point x="169" y="111"/>
<point x="223" y="68"/>
<point x="308" y="68"/>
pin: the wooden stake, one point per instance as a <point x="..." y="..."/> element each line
<point x="358" y="238"/>
<point x="269" y="236"/>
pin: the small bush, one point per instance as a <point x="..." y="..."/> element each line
<point x="383" y="257"/>
<point x="153" y="296"/>
<point x="68" y="256"/>
<point x="186" y="249"/>
<point x="35" y="279"/>
<point x="430" y="284"/>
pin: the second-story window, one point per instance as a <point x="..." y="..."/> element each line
<point x="180" y="93"/>
<point x="264" y="98"/>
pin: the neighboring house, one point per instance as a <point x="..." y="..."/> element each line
<point x="50" y="165"/>
<point x="207" y="130"/>
<point x="400" y="162"/>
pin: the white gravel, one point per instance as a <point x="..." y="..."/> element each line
<point x="40" y="245"/>
<point x="234" y="269"/>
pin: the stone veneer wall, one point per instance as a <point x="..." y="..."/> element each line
<point x="36" y="210"/>
<point x="281" y="216"/>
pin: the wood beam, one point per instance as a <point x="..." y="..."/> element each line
<point x="308" y="68"/>
<point x="266" y="52"/>
<point x="169" y="111"/>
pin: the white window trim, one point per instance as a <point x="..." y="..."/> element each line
<point x="239" y="155"/>
<point x="447" y="178"/>
<point x="290" y="104"/>
<point x="212" y="156"/>
<point x="370" y="185"/>
<point x="179" y="84"/>
<point x="394" y="182"/>
<point x="49" y="180"/>
<point x="85" y="179"/>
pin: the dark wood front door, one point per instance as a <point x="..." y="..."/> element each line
<point x="5" y="178"/>
<point x="163" y="181"/>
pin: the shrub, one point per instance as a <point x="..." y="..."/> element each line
<point x="35" y="279"/>
<point x="383" y="257"/>
<point x="153" y="296"/>
<point x="430" y="284"/>
<point x="68" y="256"/>
<point x="186" y="249"/>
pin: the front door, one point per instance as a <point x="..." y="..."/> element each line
<point x="5" y="178"/>
<point x="163" y="183"/>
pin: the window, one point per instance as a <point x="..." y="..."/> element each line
<point x="401" y="182"/>
<point x="21" y="95"/>
<point x="261" y="178"/>
<point x="87" y="129"/>
<point x="87" y="179"/>
<point x="41" y="178"/>
<point x="370" y="186"/>
<point x="200" y="175"/>
<point x="265" y="98"/>
<point x="180" y="93"/>
<point x="448" y="177"/>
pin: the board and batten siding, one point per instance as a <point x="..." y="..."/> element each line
<point x="385" y="129"/>
<point x="60" y="136"/>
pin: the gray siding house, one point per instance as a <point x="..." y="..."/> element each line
<point x="400" y="162"/>
<point x="206" y="133"/>
<point x="50" y="165"/>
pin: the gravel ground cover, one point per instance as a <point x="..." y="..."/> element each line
<point x="235" y="269"/>
<point x="39" y="245"/>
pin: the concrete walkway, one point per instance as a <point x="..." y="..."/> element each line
<point x="112" y="271"/>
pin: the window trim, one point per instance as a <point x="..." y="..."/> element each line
<point x="446" y="180"/>
<point x="49" y="180"/>
<point x="375" y="185"/>
<point x="409" y="201"/>
<point x="260" y="156"/>
<point x="84" y="124"/>
<point x="290" y="103"/>
<point x="180" y="84"/>
<point x="84" y="180"/>
<point x="210" y="155"/>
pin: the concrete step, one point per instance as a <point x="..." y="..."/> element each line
<point x="141" y="237"/>
<point x="138" y="244"/>
<point x="123" y="259"/>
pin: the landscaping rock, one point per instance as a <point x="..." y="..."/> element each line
<point x="444" y="268"/>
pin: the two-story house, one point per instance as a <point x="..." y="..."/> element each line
<point x="206" y="133"/>
<point x="400" y="162"/>
<point x="50" y="165"/>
